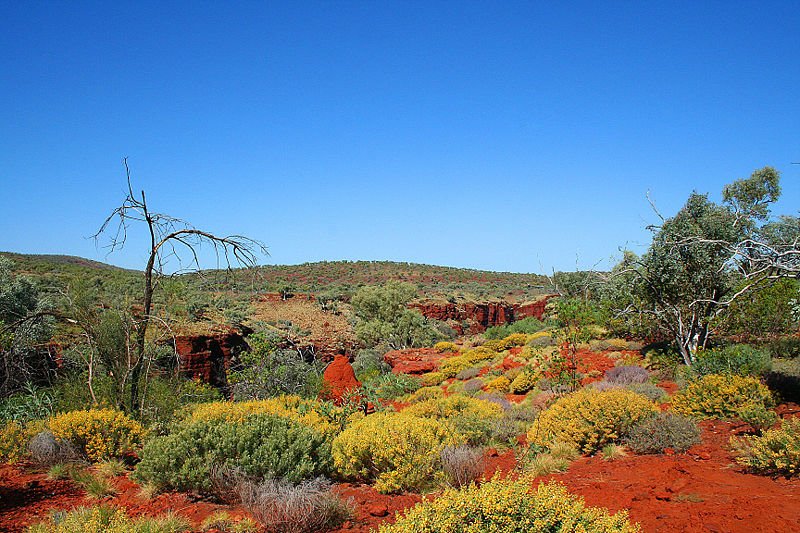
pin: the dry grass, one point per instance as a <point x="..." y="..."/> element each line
<point x="462" y="464"/>
<point x="283" y="507"/>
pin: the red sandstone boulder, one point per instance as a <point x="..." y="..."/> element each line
<point x="413" y="360"/>
<point x="339" y="378"/>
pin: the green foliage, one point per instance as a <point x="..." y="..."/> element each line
<point x="738" y="359"/>
<point x="509" y="506"/>
<point x="390" y="386"/>
<point x="758" y="417"/>
<point x="765" y="313"/>
<point x="369" y="364"/>
<point x="31" y="404"/>
<point x="527" y="325"/>
<point x="784" y="347"/>
<point x="258" y="445"/>
<point x="21" y="330"/>
<point x="268" y="370"/>
<point x="683" y="281"/>
<point x="777" y="451"/>
<point x="661" y="431"/>
<point x="383" y="317"/>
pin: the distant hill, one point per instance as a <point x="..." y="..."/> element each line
<point x="341" y="277"/>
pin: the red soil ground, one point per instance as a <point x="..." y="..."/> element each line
<point x="27" y="497"/>
<point x="700" y="491"/>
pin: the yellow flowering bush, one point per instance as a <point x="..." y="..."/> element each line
<point x="515" y="339"/>
<point x="590" y="419"/>
<point x="13" y="438"/>
<point x="431" y="379"/>
<point x="495" y="345"/>
<point x="453" y="365"/>
<point x="525" y="380"/>
<point x="321" y="416"/>
<point x="509" y="506"/>
<point x="445" y="346"/>
<point x="718" y="396"/>
<point x="777" y="451"/>
<point x="425" y="393"/>
<point x="498" y="384"/>
<point x="469" y="418"/>
<point x="107" y="519"/>
<point x="397" y="451"/>
<point x="99" y="433"/>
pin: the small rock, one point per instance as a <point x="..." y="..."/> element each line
<point x="378" y="510"/>
<point x="662" y="495"/>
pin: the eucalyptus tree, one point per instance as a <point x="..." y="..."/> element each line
<point x="704" y="258"/>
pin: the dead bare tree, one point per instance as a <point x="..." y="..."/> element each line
<point x="169" y="237"/>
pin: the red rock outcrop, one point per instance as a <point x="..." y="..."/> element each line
<point x="479" y="316"/>
<point x="208" y="357"/>
<point x="339" y="378"/>
<point x="413" y="360"/>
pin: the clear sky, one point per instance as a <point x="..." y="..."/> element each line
<point x="519" y="136"/>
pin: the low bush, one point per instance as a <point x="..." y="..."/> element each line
<point x="369" y="364"/>
<point x="32" y="404"/>
<point x="391" y="386"/>
<point x="473" y="386"/>
<point x="319" y="415"/>
<point x="426" y="393"/>
<point x="258" y="445"/>
<point x="13" y="441"/>
<point x="627" y="374"/>
<point x="784" y="348"/>
<point x="655" y="434"/>
<point x="223" y="522"/>
<point x="648" y="390"/>
<point x="469" y="373"/>
<point x="444" y="346"/>
<point x="470" y="418"/>
<point x="107" y="519"/>
<point x="719" y="396"/>
<point x="777" y="451"/>
<point x="737" y="359"/>
<point x="451" y="366"/>
<point x="47" y="450"/>
<point x="590" y="419"/>
<point x="462" y="465"/>
<point x="509" y="506"/>
<point x="398" y="451"/>
<point x="98" y="433"/>
<point x="602" y="345"/>
<point x="499" y="384"/>
<point x="283" y="507"/>
<point x="431" y="379"/>
<point x="525" y="380"/>
<point x="758" y="417"/>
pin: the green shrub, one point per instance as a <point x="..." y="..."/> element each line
<point x="785" y="347"/>
<point x="509" y="506"/>
<point x="391" y="386"/>
<point x="777" y="451"/>
<point x="527" y="325"/>
<point x="758" y="417"/>
<point x="258" y="445"/>
<point x="32" y="404"/>
<point x="738" y="359"/>
<point x="664" y="430"/>
<point x="718" y="396"/>
<point x="590" y="419"/>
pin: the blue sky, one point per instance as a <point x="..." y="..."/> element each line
<point x="497" y="135"/>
